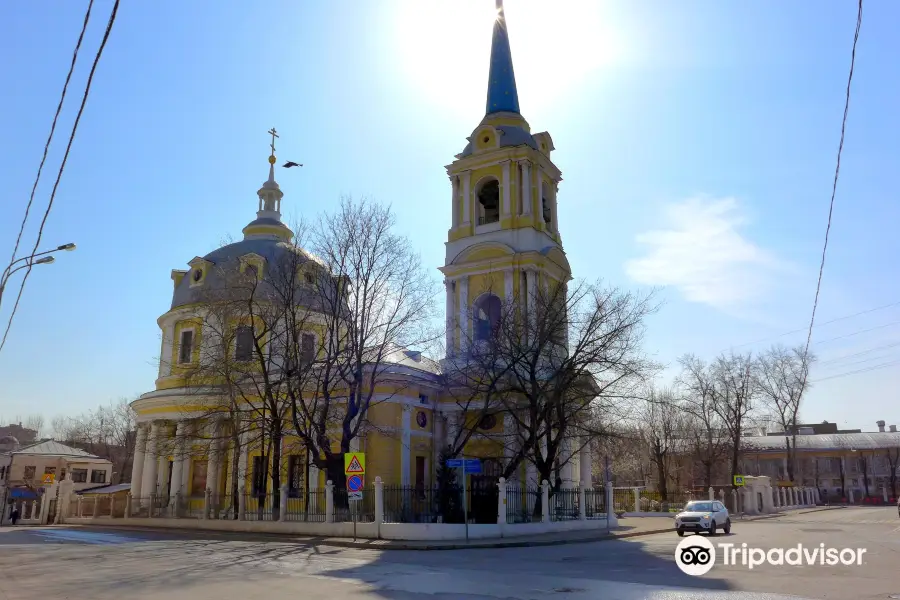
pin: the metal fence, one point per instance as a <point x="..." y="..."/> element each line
<point x="191" y="507"/>
<point x="412" y="504"/>
<point x="672" y="501"/>
<point x="564" y="505"/>
<point x="260" y="507"/>
<point x="623" y="500"/>
<point x="308" y="506"/>
<point x="595" y="503"/>
<point x="361" y="511"/>
<point x="523" y="504"/>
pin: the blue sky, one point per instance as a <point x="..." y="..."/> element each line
<point x="697" y="142"/>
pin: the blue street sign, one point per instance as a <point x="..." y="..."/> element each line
<point x="469" y="465"/>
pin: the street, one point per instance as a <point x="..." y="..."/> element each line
<point x="103" y="563"/>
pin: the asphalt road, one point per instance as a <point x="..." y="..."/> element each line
<point x="100" y="564"/>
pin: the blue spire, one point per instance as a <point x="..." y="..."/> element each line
<point x="502" y="95"/>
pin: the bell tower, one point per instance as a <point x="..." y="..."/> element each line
<point x="503" y="241"/>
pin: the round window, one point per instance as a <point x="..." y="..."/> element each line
<point x="421" y="419"/>
<point x="487" y="138"/>
<point x="198" y="274"/>
<point x="488" y="422"/>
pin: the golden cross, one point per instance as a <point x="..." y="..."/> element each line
<point x="274" y="135"/>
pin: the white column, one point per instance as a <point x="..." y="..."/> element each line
<point x="540" y="194"/>
<point x="525" y="192"/>
<point x="585" y="460"/>
<point x="466" y="199"/>
<point x="452" y="427"/>
<point x="137" y="463"/>
<point x="148" y="483"/>
<point x="242" y="462"/>
<point x="566" y="471"/>
<point x="313" y="474"/>
<point x="531" y="299"/>
<point x="454" y="183"/>
<point x="168" y="345"/>
<point x="448" y="287"/>
<point x="510" y="441"/>
<point x="405" y="445"/>
<point x="508" y="287"/>
<point x="177" y="460"/>
<point x="506" y="185"/>
<point x="554" y="226"/>
<point x="463" y="286"/>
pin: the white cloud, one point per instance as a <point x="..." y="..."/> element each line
<point x="704" y="256"/>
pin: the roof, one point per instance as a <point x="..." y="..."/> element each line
<point x="502" y="94"/>
<point x="54" y="448"/>
<point x="107" y="489"/>
<point x="827" y="441"/>
<point x="227" y="261"/>
<point x="508" y="135"/>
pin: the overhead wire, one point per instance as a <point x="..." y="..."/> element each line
<point x="837" y="172"/>
<point x="62" y="98"/>
<point x="87" y="90"/>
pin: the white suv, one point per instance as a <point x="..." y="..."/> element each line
<point x="703" y="515"/>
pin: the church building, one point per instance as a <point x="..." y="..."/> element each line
<point x="503" y="243"/>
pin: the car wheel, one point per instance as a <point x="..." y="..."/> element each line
<point x="680" y="532"/>
<point x="727" y="528"/>
<point x="712" y="528"/>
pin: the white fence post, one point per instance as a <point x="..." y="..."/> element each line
<point x="545" y="501"/>
<point x="282" y="513"/>
<point x="329" y="501"/>
<point x="582" y="507"/>
<point x="611" y="519"/>
<point x="96" y="506"/>
<point x="637" y="499"/>
<point x="712" y="493"/>
<point x="128" y="501"/>
<point x="501" y="504"/>
<point x="379" y="505"/>
<point x="207" y="503"/>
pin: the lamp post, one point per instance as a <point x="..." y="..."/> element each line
<point x="29" y="261"/>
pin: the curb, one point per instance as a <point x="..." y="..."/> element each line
<point x="390" y="545"/>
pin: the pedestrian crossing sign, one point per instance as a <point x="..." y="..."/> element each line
<point x="738" y="480"/>
<point x="354" y="463"/>
<point x="48" y="479"/>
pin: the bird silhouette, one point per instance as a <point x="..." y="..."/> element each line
<point x="290" y="164"/>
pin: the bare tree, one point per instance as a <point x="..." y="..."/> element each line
<point x="107" y="432"/>
<point x="782" y="380"/>
<point x="660" y="421"/>
<point x="374" y="299"/>
<point x="706" y="432"/>
<point x="35" y="422"/>
<point x="558" y="364"/>
<point x="892" y="455"/>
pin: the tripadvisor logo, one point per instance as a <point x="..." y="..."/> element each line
<point x="696" y="555"/>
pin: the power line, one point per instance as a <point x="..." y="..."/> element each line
<point x="858" y="371"/>
<point x="87" y="17"/>
<point x="837" y="172"/>
<point x="857" y="332"/>
<point x="860" y="353"/>
<point x="835" y="320"/>
<point x="62" y="166"/>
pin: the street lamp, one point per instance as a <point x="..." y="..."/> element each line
<point x="30" y="261"/>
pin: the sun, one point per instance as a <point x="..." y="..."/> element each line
<point x="443" y="48"/>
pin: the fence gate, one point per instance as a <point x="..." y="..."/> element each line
<point x="484" y="493"/>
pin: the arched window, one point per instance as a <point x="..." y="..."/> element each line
<point x="487" y="317"/>
<point x="489" y="201"/>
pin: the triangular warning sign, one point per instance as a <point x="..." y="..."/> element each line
<point x="354" y="467"/>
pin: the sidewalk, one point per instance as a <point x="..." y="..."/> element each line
<point x="628" y="527"/>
